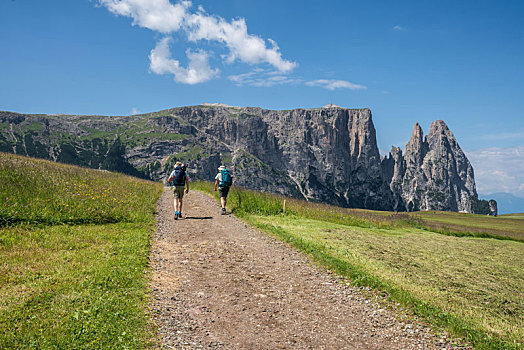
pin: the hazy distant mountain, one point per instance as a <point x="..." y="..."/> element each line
<point x="507" y="202"/>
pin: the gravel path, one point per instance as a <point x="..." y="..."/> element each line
<point x="219" y="284"/>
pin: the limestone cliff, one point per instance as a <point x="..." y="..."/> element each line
<point x="433" y="174"/>
<point x="327" y="154"/>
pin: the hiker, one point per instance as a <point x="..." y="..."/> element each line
<point x="223" y="181"/>
<point x="180" y="180"/>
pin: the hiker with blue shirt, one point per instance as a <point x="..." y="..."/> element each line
<point x="180" y="180"/>
<point x="223" y="181"/>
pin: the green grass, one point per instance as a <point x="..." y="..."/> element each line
<point x="70" y="280"/>
<point x="472" y="287"/>
<point x="145" y="138"/>
<point x="503" y="226"/>
<point x="514" y="216"/>
<point x="33" y="127"/>
<point x="194" y="153"/>
<point x="37" y="191"/>
<point x="95" y="133"/>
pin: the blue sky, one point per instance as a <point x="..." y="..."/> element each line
<point x="460" y="61"/>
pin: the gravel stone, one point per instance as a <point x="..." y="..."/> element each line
<point x="218" y="284"/>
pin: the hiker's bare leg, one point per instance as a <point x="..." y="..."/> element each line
<point x="223" y="201"/>
<point x="177" y="205"/>
<point x="180" y="206"/>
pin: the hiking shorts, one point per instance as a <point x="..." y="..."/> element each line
<point x="178" y="192"/>
<point x="223" y="191"/>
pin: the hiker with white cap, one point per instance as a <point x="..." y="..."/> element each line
<point x="223" y="181"/>
<point x="180" y="180"/>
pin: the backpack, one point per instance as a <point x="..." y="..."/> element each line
<point x="227" y="180"/>
<point x="178" y="176"/>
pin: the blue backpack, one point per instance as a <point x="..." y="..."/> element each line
<point x="227" y="180"/>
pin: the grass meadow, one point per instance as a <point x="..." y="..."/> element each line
<point x="74" y="245"/>
<point x="510" y="226"/>
<point x="469" y="282"/>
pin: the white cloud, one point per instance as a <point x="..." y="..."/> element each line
<point x="267" y="78"/>
<point x="167" y="18"/>
<point x="200" y="28"/>
<point x="398" y="28"/>
<point x="331" y="84"/>
<point x="198" y="70"/>
<point x="263" y="78"/>
<point x="245" y="47"/>
<point x="135" y="111"/>
<point x="158" y="15"/>
<point x="498" y="169"/>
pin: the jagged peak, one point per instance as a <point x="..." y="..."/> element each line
<point x="395" y="150"/>
<point x="438" y="132"/>
<point x="417" y="134"/>
<point x="438" y="125"/>
<point x="417" y="128"/>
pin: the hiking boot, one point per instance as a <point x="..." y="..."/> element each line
<point x="180" y="215"/>
<point x="176" y="217"/>
<point x="223" y="211"/>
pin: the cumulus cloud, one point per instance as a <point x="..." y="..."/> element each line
<point x="167" y="18"/>
<point x="242" y="46"/>
<point x="398" y="28"/>
<point x="332" y="84"/>
<point x="197" y="71"/>
<point x="134" y="111"/>
<point x="158" y="15"/>
<point x="498" y="169"/>
<point x="200" y="28"/>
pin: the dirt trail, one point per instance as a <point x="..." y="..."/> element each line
<point x="218" y="283"/>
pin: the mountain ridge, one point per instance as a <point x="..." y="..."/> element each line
<point x="327" y="154"/>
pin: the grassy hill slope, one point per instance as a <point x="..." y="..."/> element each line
<point x="74" y="244"/>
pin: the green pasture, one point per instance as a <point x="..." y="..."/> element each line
<point x="74" y="244"/>
<point x="511" y="226"/>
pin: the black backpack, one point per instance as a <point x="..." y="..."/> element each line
<point x="179" y="176"/>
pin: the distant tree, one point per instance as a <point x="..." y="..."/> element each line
<point x="480" y="206"/>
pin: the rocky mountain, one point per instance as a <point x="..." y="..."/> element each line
<point x="508" y="203"/>
<point x="327" y="154"/>
<point x="433" y="174"/>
